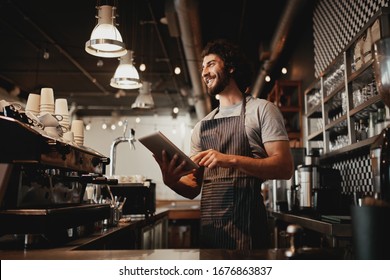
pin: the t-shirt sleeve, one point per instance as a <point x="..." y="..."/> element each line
<point x="195" y="140"/>
<point x="272" y="124"/>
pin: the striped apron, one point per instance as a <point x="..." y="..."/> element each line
<point x="233" y="214"/>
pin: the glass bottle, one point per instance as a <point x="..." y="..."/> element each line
<point x="363" y="130"/>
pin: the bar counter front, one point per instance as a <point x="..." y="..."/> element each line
<point x="116" y="243"/>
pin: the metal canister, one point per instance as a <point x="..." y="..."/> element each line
<point x="308" y="179"/>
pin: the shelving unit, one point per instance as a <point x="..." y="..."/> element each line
<point x="286" y="95"/>
<point x="341" y="102"/>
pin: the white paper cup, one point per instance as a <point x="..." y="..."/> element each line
<point x="33" y="103"/>
<point x="46" y="109"/>
<point x="49" y="120"/>
<point x="77" y="127"/>
<point x="52" y="131"/>
<point x="61" y="106"/>
<point x="47" y="96"/>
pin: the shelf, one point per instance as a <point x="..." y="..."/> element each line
<point x="361" y="145"/>
<point x="355" y="75"/>
<point x="336" y="122"/>
<point x="316" y="136"/>
<point x="315" y="112"/>
<point x="340" y="85"/>
<point x="334" y="92"/>
<point x="373" y="100"/>
<point x="286" y="95"/>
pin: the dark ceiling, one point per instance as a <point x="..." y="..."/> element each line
<point x="30" y="28"/>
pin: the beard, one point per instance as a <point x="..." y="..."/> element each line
<point x="222" y="81"/>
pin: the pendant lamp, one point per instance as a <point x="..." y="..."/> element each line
<point x="106" y="41"/>
<point x="126" y="75"/>
<point x="144" y="99"/>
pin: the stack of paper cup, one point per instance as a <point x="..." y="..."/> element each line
<point x="61" y="108"/>
<point x="77" y="128"/>
<point x="47" y="101"/>
<point x="33" y="104"/>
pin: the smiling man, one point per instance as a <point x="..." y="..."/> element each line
<point x="238" y="145"/>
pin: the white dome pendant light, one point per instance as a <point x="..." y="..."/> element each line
<point x="144" y="99"/>
<point x="126" y="75"/>
<point x="106" y="41"/>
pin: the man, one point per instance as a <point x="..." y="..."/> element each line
<point x="238" y="145"/>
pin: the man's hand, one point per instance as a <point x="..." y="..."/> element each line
<point x="211" y="158"/>
<point x="171" y="170"/>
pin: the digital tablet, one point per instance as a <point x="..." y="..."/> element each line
<point x="157" y="142"/>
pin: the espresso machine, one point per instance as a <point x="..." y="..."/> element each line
<point x="42" y="184"/>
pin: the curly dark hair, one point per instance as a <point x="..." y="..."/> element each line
<point x="233" y="58"/>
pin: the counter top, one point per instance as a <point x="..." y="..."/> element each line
<point x="165" y="254"/>
<point x="314" y="223"/>
<point x="159" y="254"/>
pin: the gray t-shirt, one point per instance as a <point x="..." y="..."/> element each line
<point x="263" y="123"/>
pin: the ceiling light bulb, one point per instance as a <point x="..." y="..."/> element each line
<point x="126" y="75"/>
<point x="105" y="40"/>
<point x="142" y="67"/>
<point x="100" y="63"/>
<point x="46" y="54"/>
<point x="177" y="70"/>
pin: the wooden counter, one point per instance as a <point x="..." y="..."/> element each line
<point x="161" y="254"/>
<point x="164" y="254"/>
